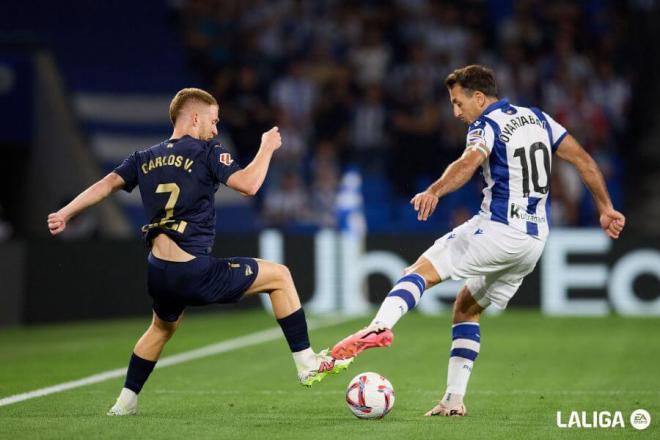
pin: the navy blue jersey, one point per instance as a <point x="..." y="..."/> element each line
<point x="178" y="179"/>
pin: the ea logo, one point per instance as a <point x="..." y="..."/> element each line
<point x="640" y="419"/>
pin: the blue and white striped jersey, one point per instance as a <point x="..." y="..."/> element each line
<point x="519" y="143"/>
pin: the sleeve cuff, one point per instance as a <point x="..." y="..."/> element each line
<point x="127" y="185"/>
<point x="558" y="141"/>
<point x="230" y="173"/>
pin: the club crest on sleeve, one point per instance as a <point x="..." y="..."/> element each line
<point x="477" y="132"/>
<point x="476" y="139"/>
<point x="225" y="159"/>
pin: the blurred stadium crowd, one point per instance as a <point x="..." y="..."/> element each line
<point x="360" y="84"/>
<point x="353" y="85"/>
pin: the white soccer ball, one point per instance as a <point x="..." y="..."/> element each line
<point x="370" y="396"/>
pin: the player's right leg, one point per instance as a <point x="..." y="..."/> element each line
<point x="275" y="279"/>
<point x="436" y="264"/>
<point x="143" y="360"/>
<point x="402" y="298"/>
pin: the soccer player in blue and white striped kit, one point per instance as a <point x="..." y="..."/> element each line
<point x="498" y="247"/>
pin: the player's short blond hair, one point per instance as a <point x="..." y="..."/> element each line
<point x="184" y="96"/>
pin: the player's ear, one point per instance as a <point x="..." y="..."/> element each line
<point x="480" y="97"/>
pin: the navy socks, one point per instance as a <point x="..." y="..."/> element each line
<point x="294" y="328"/>
<point x="138" y="372"/>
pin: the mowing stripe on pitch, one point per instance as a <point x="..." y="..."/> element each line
<point x="221" y="347"/>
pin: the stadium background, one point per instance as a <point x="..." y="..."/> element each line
<point x="356" y="89"/>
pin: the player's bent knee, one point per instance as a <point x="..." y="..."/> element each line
<point x="165" y="332"/>
<point x="284" y="271"/>
<point x="424" y="269"/>
<point x="164" y="329"/>
<point x="465" y="316"/>
<point x="427" y="283"/>
<point x="465" y="307"/>
<point x="284" y="275"/>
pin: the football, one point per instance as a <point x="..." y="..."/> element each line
<point x="370" y="396"/>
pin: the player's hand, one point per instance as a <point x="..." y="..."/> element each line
<point x="612" y="222"/>
<point x="271" y="139"/>
<point x="56" y="223"/>
<point x="424" y="203"/>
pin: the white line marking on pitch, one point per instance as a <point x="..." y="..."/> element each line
<point x="221" y="347"/>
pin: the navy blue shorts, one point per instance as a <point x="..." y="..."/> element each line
<point x="204" y="280"/>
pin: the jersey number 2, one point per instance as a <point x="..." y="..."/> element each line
<point x="534" y="148"/>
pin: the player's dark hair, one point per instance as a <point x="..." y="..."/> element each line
<point x="184" y="96"/>
<point x="473" y="78"/>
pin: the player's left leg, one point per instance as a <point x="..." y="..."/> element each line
<point x="402" y="298"/>
<point x="143" y="360"/>
<point x="496" y="287"/>
<point x="466" y="342"/>
<point x="276" y="280"/>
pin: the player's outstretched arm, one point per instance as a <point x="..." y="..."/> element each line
<point x="611" y="220"/>
<point x="91" y="196"/>
<point x="457" y="174"/>
<point x="248" y="180"/>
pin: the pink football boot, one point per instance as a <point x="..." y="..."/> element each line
<point x="369" y="337"/>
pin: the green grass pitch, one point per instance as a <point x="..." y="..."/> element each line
<point x="529" y="368"/>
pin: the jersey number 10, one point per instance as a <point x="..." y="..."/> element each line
<point x="534" y="148"/>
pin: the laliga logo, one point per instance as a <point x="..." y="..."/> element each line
<point x="639" y="419"/>
<point x="599" y="419"/>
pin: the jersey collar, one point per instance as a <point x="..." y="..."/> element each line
<point x="175" y="140"/>
<point x="494" y="106"/>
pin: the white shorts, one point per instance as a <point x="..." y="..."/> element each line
<point x="493" y="258"/>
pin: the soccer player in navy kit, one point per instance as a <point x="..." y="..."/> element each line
<point x="178" y="179"/>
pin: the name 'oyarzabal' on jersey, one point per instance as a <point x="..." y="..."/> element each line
<point x="498" y="247"/>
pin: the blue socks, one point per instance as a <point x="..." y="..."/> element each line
<point x="403" y="297"/>
<point x="466" y="342"/>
